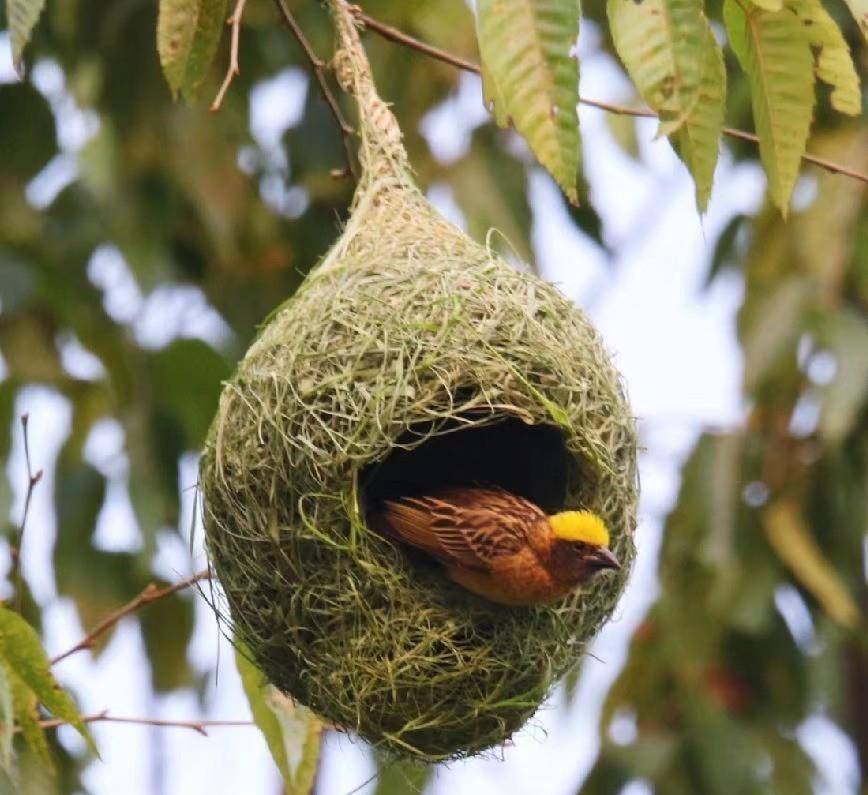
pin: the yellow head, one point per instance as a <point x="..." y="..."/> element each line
<point x="580" y="526"/>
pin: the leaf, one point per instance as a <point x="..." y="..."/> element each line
<point x="401" y="777"/>
<point x="797" y="548"/>
<point x="846" y="334"/>
<point x="187" y="375"/>
<point x="725" y="254"/>
<point x="188" y="32"/>
<point x="648" y="755"/>
<point x="7" y="720"/>
<point x="663" y="45"/>
<point x="775" y="52"/>
<point x="531" y="78"/>
<point x="588" y="220"/>
<point x="167" y="626"/>
<point x="25" y="111"/>
<point x="623" y="130"/>
<point x="26" y="708"/>
<point x="22" y="651"/>
<point x="859" y="9"/>
<point x="491" y="188"/>
<point x="833" y="63"/>
<point x="293" y="733"/>
<point x="209" y="31"/>
<point x="22" y="16"/>
<point x="774" y="325"/>
<point x="697" y="142"/>
<point x="768" y="5"/>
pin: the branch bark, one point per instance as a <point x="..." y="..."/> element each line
<point x="318" y="67"/>
<point x="234" y="69"/>
<point x="199" y="726"/>
<point x="150" y="594"/>
<point x="33" y="479"/>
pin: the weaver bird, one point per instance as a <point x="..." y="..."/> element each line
<point x="500" y="546"/>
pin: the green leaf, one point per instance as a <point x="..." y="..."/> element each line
<point x="25" y="111"/>
<point x="531" y="77"/>
<point x="833" y="63"/>
<point x="7" y="720"/>
<point x="725" y="254"/>
<point x="187" y="375"/>
<point x="697" y="142"/>
<point x="773" y="327"/>
<point x="22" y="16"/>
<point x="401" y="777"/>
<point x="188" y="32"/>
<point x="859" y="9"/>
<point x="491" y="188"/>
<point x="774" y="50"/>
<point x="623" y="130"/>
<point x="167" y="626"/>
<point x="663" y="45"/>
<point x="293" y="733"/>
<point x="846" y="334"/>
<point x="22" y="651"/>
<point x="768" y="5"/>
<point x="26" y="708"/>
<point x="797" y="548"/>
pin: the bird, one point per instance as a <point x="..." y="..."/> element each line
<point x="498" y="545"/>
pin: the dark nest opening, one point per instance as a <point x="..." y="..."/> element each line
<point x="529" y="460"/>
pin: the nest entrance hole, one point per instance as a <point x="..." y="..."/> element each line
<point x="528" y="460"/>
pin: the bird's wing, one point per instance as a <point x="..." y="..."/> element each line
<point x="471" y="527"/>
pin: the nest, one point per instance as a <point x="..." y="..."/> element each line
<point x="410" y="357"/>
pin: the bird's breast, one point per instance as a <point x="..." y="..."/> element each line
<point x="520" y="579"/>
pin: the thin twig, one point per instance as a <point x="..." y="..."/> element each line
<point x="199" y="726"/>
<point x="235" y="23"/>
<point x="399" y="37"/>
<point x="32" y="479"/>
<point x="148" y="595"/>
<point x="319" y="69"/>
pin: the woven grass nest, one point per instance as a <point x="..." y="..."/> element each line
<point x="410" y="357"/>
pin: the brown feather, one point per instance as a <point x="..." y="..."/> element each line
<point x="493" y="543"/>
<point x="473" y="527"/>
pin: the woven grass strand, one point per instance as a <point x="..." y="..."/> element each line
<point x="382" y="152"/>
<point x="406" y="330"/>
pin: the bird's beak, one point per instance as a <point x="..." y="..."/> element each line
<point x="603" y="558"/>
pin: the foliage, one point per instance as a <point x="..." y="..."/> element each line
<point x="26" y="682"/>
<point x="531" y="77"/>
<point x="156" y="186"/>
<point x="667" y="46"/>
<point x="677" y="65"/>
<point x="717" y="680"/>
<point x="23" y="16"/>
<point x="776" y="53"/>
<point x="293" y="733"/>
<point x="187" y="37"/>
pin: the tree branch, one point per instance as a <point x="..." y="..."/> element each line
<point x="235" y="23"/>
<point x="319" y="68"/>
<point x="399" y="37"/>
<point x="150" y="594"/>
<point x="404" y="39"/>
<point x="32" y="479"/>
<point x="198" y="726"/>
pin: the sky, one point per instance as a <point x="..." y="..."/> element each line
<point x="673" y="341"/>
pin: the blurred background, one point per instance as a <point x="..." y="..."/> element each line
<point x="142" y="242"/>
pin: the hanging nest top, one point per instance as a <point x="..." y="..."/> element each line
<point x="410" y="357"/>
